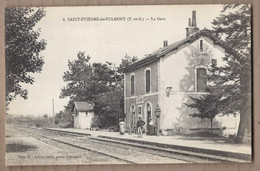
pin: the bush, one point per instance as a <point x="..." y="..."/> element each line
<point x="113" y="128"/>
<point x="66" y="125"/>
<point x="95" y="122"/>
<point x="38" y="125"/>
<point x="56" y="122"/>
<point x="204" y="134"/>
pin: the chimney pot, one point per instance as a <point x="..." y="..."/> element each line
<point x="189" y="22"/>
<point x="165" y="43"/>
<point x="194" y="24"/>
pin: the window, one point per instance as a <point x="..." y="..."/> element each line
<point x="139" y="111"/>
<point x="201" y="79"/>
<point x="214" y="62"/>
<point x="133" y="109"/>
<point x="147" y="81"/>
<point x="132" y="78"/>
<point x="148" y="109"/>
<point x="201" y="45"/>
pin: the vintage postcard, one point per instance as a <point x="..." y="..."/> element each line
<point x="128" y="84"/>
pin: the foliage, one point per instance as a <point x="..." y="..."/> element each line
<point x="109" y="108"/>
<point x="230" y="84"/>
<point x="126" y="61"/>
<point x="23" y="49"/>
<point x="56" y="122"/>
<point x="85" y="81"/>
<point x="99" y="84"/>
<point x="207" y="106"/>
<point x="63" y="116"/>
<point x="79" y="78"/>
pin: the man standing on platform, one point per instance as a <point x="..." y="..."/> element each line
<point x="140" y="124"/>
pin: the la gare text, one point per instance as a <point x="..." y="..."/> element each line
<point x="114" y="19"/>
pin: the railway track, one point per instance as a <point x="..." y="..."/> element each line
<point x="179" y="154"/>
<point x="127" y="151"/>
<point x="127" y="154"/>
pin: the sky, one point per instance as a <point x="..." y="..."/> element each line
<point x="102" y="41"/>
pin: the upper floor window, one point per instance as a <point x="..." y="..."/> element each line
<point x="133" y="109"/>
<point x="214" y="62"/>
<point x="147" y="80"/>
<point x="201" y="79"/>
<point x="132" y="82"/>
<point x="201" y="45"/>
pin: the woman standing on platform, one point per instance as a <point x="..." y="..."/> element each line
<point x="122" y="127"/>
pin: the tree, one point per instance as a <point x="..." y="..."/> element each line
<point x="91" y="83"/>
<point x="207" y="107"/>
<point x="109" y="107"/>
<point x="126" y="61"/>
<point x="99" y="84"/>
<point x="64" y="117"/>
<point x="45" y="116"/>
<point x="86" y="81"/>
<point x="230" y="84"/>
<point x="23" y="49"/>
<point x="79" y="79"/>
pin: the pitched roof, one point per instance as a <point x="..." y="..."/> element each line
<point x="175" y="46"/>
<point x="83" y="106"/>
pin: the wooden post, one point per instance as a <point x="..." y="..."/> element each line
<point x="53" y="110"/>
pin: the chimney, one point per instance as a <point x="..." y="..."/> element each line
<point x="194" y="24"/>
<point x="192" y="27"/>
<point x="165" y="43"/>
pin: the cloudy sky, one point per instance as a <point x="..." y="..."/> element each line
<point x="102" y="41"/>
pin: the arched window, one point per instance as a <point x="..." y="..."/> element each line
<point x="132" y="80"/>
<point x="201" y="79"/>
<point x="147" y="81"/>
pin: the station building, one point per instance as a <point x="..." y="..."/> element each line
<point x="83" y="114"/>
<point x="166" y="79"/>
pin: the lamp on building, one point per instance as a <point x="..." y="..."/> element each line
<point x="157" y="111"/>
<point x="168" y="91"/>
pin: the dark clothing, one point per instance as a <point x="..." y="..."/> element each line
<point x="140" y="123"/>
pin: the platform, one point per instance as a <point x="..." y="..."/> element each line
<point x="205" y="145"/>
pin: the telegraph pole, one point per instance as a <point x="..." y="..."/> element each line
<point x="53" y="110"/>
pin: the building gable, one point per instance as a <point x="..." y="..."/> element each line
<point x="155" y="56"/>
<point x="83" y="106"/>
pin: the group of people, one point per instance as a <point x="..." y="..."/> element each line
<point x="140" y="123"/>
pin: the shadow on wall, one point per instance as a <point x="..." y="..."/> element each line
<point x="192" y="125"/>
<point x="186" y="124"/>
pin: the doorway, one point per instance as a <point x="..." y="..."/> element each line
<point x="148" y="119"/>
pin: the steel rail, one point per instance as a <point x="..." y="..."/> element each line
<point x="85" y="148"/>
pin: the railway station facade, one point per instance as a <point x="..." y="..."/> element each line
<point x="167" y="78"/>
